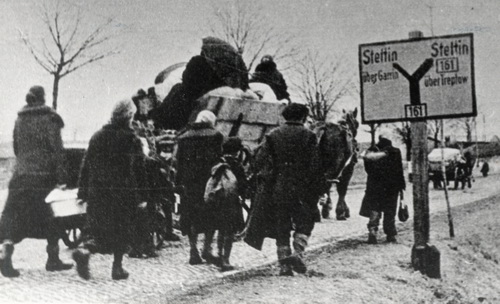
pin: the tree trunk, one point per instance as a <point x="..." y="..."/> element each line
<point x="55" y="91"/>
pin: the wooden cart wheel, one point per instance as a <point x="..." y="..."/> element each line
<point x="72" y="237"/>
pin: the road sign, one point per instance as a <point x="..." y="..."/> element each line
<point x="428" y="78"/>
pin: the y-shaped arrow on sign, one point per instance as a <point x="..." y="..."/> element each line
<point x="414" y="79"/>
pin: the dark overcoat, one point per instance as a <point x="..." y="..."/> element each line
<point x="112" y="181"/>
<point x="198" y="150"/>
<point x="385" y="180"/>
<point x="287" y="169"/>
<point x="39" y="167"/>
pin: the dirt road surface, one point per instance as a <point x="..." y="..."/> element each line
<point x="353" y="271"/>
<point x="347" y="271"/>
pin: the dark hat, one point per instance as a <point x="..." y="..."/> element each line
<point x="295" y="111"/>
<point x="232" y="145"/>
<point x="383" y="142"/>
<point x="35" y="94"/>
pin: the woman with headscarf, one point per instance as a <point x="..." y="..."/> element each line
<point x="199" y="149"/>
<point x="39" y="168"/>
<point x="111" y="181"/>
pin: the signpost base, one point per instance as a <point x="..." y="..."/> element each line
<point x="426" y="259"/>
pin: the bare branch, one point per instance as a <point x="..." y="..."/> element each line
<point x="68" y="49"/>
<point x="89" y="61"/>
<point x="244" y="26"/>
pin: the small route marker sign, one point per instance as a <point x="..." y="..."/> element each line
<point x="427" y="78"/>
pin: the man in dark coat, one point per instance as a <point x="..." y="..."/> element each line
<point x="112" y="181"/>
<point x="199" y="149"/>
<point x="287" y="167"/>
<point x="39" y="169"/>
<point x="267" y="72"/>
<point x="385" y="182"/>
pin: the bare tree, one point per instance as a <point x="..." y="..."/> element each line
<point x="433" y="129"/>
<point x="373" y="130"/>
<point x="244" y="25"/>
<point x="466" y="125"/>
<point x="321" y="81"/>
<point x="403" y="131"/>
<point x="66" y="47"/>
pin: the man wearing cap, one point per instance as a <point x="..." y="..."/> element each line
<point x="385" y="182"/>
<point x="287" y="163"/>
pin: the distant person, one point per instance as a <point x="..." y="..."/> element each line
<point x="199" y="149"/>
<point x="287" y="168"/>
<point x="385" y="182"/>
<point x="112" y="179"/>
<point x="39" y="169"/>
<point x="267" y="72"/>
<point x="485" y="169"/>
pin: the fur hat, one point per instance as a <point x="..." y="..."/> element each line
<point x="206" y="116"/>
<point x="295" y="112"/>
<point x="123" y="112"/>
<point x="35" y="94"/>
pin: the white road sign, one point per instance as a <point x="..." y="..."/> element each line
<point x="428" y="78"/>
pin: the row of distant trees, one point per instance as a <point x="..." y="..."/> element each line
<point x="319" y="79"/>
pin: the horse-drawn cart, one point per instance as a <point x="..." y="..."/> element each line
<point x="456" y="167"/>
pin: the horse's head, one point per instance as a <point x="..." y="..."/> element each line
<point x="350" y="118"/>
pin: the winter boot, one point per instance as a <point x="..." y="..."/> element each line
<point x="6" y="250"/>
<point x="228" y="246"/>
<point x="284" y="253"/>
<point x="81" y="257"/>
<point x="53" y="261"/>
<point x="207" y="254"/>
<point x="391" y="239"/>
<point x="194" y="255"/>
<point x="299" y="246"/>
<point x="117" y="272"/>
<point x="372" y="235"/>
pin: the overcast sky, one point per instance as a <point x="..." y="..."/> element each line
<point x="158" y="33"/>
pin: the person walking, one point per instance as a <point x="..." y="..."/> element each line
<point x="230" y="216"/>
<point x="385" y="182"/>
<point x="39" y="169"/>
<point x="111" y="181"/>
<point x="288" y="189"/>
<point x="485" y="169"/>
<point x="198" y="150"/>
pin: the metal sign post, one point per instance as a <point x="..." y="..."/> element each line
<point x="436" y="76"/>
<point x="424" y="257"/>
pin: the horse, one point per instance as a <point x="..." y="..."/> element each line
<point x="338" y="155"/>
